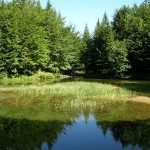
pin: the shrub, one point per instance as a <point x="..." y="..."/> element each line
<point x="44" y="76"/>
<point x="3" y="75"/>
<point x="36" y="78"/>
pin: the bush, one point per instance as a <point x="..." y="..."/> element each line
<point x="3" y="75"/>
<point x="36" y="78"/>
<point x="43" y="76"/>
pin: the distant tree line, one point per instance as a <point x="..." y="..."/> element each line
<point x="33" y="38"/>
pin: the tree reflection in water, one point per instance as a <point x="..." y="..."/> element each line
<point x="135" y="133"/>
<point x="27" y="135"/>
<point x="23" y="134"/>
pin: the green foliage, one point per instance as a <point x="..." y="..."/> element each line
<point x="116" y="63"/>
<point x="34" y="79"/>
<point x="98" y="46"/>
<point x="122" y="47"/>
<point x="109" y="56"/>
<point x="120" y="24"/>
<point x="23" y="49"/>
<point x="35" y="39"/>
<point x="86" y="52"/>
<point x="43" y="76"/>
<point x="132" y="24"/>
<point x="3" y="75"/>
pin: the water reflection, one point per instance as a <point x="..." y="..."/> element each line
<point x="84" y="133"/>
<point x="136" y="134"/>
<point x="27" y="135"/>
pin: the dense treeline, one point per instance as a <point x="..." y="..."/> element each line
<point x="133" y="26"/>
<point x="33" y="38"/>
<point x="121" y="47"/>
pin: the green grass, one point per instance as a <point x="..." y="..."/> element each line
<point x="66" y="96"/>
<point x="34" y="79"/>
<point x="138" y="86"/>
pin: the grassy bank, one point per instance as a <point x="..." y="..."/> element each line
<point x="74" y="95"/>
<point x="138" y="86"/>
<point x="39" y="77"/>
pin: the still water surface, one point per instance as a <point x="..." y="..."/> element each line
<point x="83" y="132"/>
<point x="89" y="135"/>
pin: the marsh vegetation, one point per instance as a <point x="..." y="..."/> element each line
<point x="73" y="95"/>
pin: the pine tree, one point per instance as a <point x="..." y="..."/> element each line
<point x="24" y="48"/>
<point x="132" y="25"/>
<point x="116" y="63"/>
<point x="86" y="52"/>
<point x="110" y="59"/>
<point x="120" y="23"/>
<point x="63" y="43"/>
<point x="99" y="41"/>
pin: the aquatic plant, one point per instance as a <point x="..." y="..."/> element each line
<point x="77" y="95"/>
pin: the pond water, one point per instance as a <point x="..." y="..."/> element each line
<point x="31" y="122"/>
<point x="88" y="135"/>
<point x="79" y="131"/>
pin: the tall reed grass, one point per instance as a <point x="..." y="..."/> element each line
<point x="67" y="96"/>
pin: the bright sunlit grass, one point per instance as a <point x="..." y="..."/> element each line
<point x="66" y="96"/>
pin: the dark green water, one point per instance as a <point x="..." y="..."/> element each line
<point x="75" y="131"/>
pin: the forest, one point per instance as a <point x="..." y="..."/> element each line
<point x="33" y="38"/>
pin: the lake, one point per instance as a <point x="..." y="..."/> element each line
<point x="75" y="131"/>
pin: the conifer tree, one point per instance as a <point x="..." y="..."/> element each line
<point x="115" y="63"/>
<point x="99" y="40"/>
<point x="132" y="25"/>
<point x="86" y="52"/>
<point x="24" y="49"/>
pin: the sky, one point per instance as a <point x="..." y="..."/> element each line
<point x="81" y="12"/>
